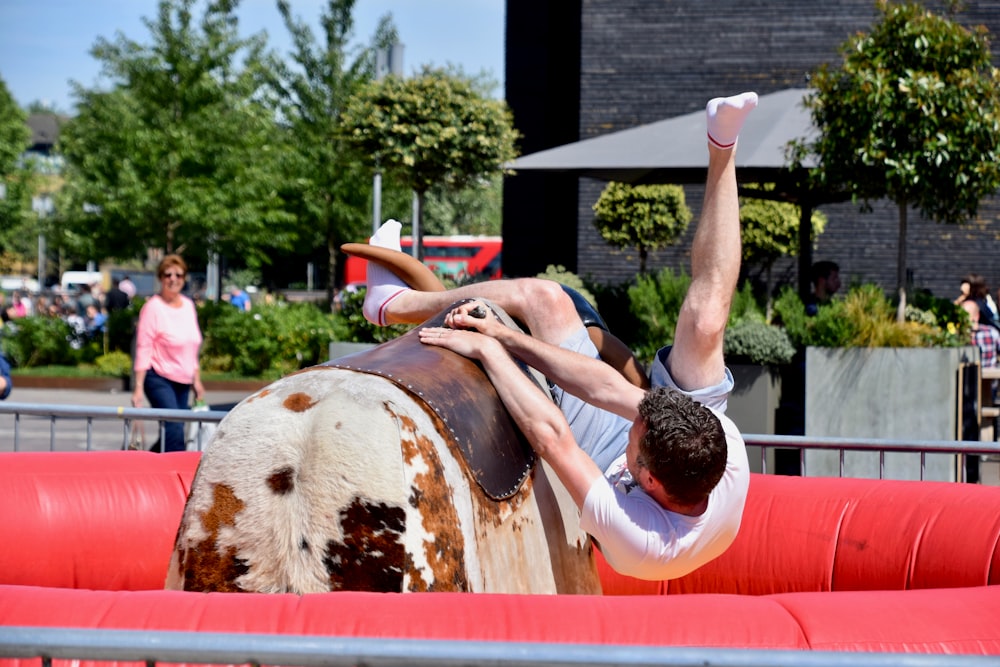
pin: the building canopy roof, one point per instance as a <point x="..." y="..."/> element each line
<point x="675" y="150"/>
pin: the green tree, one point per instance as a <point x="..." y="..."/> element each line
<point x="181" y="153"/>
<point x="15" y="138"/>
<point x="38" y="106"/>
<point x="913" y="114"/>
<point x="431" y="130"/>
<point x="769" y="231"/>
<point x="478" y="207"/>
<point x="645" y="217"/>
<point x="475" y="209"/>
<point x="332" y="187"/>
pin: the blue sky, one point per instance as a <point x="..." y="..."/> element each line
<point x="45" y="43"/>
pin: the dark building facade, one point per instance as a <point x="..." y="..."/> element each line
<point x="583" y="68"/>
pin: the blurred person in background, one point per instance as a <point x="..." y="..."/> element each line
<point x="128" y="287"/>
<point x="116" y="298"/>
<point x="6" y="384"/>
<point x="239" y="298"/>
<point x="167" y="343"/>
<point x="825" y="278"/>
<point x="973" y="288"/>
<point x="18" y="307"/>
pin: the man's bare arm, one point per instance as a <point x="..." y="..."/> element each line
<point x="589" y="379"/>
<point x="541" y="421"/>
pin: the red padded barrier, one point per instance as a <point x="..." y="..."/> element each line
<point x="722" y="621"/>
<point x="613" y="583"/>
<point x="787" y="541"/>
<point x="901" y="535"/>
<point x="104" y="520"/>
<point x="822" y="534"/>
<point x="957" y="620"/>
<point x="995" y="565"/>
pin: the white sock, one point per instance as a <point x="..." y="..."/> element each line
<point x="725" y="118"/>
<point x="383" y="284"/>
<point x="387" y="236"/>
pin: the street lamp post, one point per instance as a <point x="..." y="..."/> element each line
<point x="387" y="61"/>
<point x="43" y="206"/>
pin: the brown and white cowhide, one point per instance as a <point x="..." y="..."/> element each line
<point x="393" y="470"/>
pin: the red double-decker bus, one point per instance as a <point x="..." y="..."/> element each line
<point x="458" y="258"/>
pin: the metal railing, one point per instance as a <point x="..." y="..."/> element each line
<point x="921" y="448"/>
<point x="117" y="423"/>
<point x="314" y="651"/>
<point x="109" y="428"/>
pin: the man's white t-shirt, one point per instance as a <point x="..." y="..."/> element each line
<point x="640" y="538"/>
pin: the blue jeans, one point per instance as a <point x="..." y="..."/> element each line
<point x="168" y="395"/>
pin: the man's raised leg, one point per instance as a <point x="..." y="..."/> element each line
<point x="541" y="305"/>
<point x="696" y="360"/>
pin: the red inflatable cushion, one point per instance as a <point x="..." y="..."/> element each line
<point x="103" y="520"/>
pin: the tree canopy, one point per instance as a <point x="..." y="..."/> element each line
<point x="430" y="130"/>
<point x="644" y="217"/>
<point x="330" y="186"/>
<point x="913" y="114"/>
<point x="769" y="230"/>
<point x="181" y="153"/>
<point x="15" y="138"/>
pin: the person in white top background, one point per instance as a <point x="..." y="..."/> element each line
<point x="660" y="475"/>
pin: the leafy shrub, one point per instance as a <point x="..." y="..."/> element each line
<point x="655" y="302"/>
<point x="790" y="314"/>
<point x="644" y="217"/>
<point x="745" y="307"/>
<point x="863" y="318"/>
<point x="114" y="364"/>
<point x="242" y="338"/>
<point x="39" y="341"/>
<point x="303" y="332"/>
<point x="614" y="305"/>
<point x="121" y="328"/>
<point x="756" y="342"/>
<point x="948" y="322"/>
<point x="269" y="341"/>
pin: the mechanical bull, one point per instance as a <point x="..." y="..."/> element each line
<point x="396" y="469"/>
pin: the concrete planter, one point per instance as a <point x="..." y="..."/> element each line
<point x="890" y="393"/>
<point x="753" y="405"/>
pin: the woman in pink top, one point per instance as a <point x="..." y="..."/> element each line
<point x="166" y="350"/>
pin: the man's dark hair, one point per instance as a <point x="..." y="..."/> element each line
<point x="822" y="269"/>
<point x="684" y="447"/>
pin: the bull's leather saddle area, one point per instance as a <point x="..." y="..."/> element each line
<point x="460" y="394"/>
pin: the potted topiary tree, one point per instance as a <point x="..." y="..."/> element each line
<point x="644" y="217"/>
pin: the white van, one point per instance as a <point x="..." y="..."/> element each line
<point x="72" y="281"/>
<point x="18" y="283"/>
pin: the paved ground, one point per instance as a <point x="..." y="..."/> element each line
<point x="104" y="398"/>
<point x="36" y="433"/>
